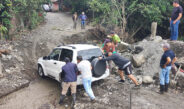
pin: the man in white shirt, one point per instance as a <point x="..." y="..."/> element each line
<point x="84" y="66"/>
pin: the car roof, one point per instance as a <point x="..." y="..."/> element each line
<point x="79" y="46"/>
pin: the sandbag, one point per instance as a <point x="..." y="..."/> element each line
<point x="99" y="67"/>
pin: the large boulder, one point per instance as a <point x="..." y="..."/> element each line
<point x="152" y="52"/>
<point x="138" y="60"/>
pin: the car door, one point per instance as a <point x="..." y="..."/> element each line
<point x="66" y="53"/>
<point x="53" y="65"/>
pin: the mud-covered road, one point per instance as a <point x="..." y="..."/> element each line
<point x="41" y="94"/>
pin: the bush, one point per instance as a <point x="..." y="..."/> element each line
<point x="28" y="11"/>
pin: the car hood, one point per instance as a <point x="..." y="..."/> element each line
<point x="40" y="59"/>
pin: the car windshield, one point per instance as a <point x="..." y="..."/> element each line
<point x="89" y="53"/>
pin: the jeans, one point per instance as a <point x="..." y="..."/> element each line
<point x="174" y="30"/>
<point x="82" y="24"/>
<point x="164" y="75"/>
<point x="87" y="87"/>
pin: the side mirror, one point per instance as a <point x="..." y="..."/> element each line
<point x="46" y="58"/>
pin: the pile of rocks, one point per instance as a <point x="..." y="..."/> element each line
<point x="11" y="66"/>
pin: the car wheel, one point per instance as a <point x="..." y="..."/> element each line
<point x="99" y="67"/>
<point x="40" y="71"/>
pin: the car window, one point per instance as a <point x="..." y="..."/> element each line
<point x="89" y="53"/>
<point x="66" y="53"/>
<point x="55" y="54"/>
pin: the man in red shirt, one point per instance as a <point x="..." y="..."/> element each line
<point x="108" y="47"/>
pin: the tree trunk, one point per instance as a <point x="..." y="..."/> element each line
<point x="153" y="29"/>
<point x="124" y="22"/>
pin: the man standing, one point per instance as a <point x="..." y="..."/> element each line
<point x="115" y="38"/>
<point x="175" y="19"/>
<point x="168" y="59"/>
<point x="70" y="80"/>
<point x="123" y="64"/>
<point x="83" y="18"/>
<point x="84" y="67"/>
<point x="74" y="17"/>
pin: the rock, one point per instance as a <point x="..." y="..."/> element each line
<point x="122" y="46"/>
<point x="85" y="94"/>
<point x="5" y="52"/>
<point x="147" y="80"/>
<point x="178" y="48"/>
<point x="152" y="52"/>
<point x="180" y="79"/>
<point x="138" y="49"/>
<point x="138" y="60"/>
<point x="139" y="79"/>
<point x="6" y="57"/>
<point x="114" y="70"/>
<point x="7" y="70"/>
<point x="157" y="39"/>
<point x="173" y="83"/>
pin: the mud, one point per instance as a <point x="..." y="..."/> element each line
<point x="41" y="94"/>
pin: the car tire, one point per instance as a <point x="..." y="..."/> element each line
<point x="99" y="67"/>
<point x="40" y="71"/>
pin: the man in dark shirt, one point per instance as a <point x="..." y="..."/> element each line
<point x="168" y="59"/>
<point x="123" y="65"/>
<point x="70" y="80"/>
<point x="175" y="19"/>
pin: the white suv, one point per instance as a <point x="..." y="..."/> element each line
<point x="51" y="65"/>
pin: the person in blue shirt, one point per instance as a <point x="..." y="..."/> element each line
<point x="83" y="18"/>
<point x="167" y="59"/>
<point x="70" y="71"/>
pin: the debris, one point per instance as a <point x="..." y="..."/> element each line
<point x="138" y="60"/>
<point x="5" y="52"/>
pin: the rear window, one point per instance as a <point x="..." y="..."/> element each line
<point x="89" y="53"/>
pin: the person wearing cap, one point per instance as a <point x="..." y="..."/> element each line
<point x="85" y="67"/>
<point x="168" y="58"/>
<point x="175" y="19"/>
<point x="124" y="66"/>
<point x="115" y="38"/>
<point x="70" y="71"/>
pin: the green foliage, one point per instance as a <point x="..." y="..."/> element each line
<point x="77" y="5"/>
<point x="29" y="10"/>
<point x="139" y="14"/>
<point x="3" y="31"/>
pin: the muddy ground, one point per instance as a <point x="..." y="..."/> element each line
<point x="44" y="93"/>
